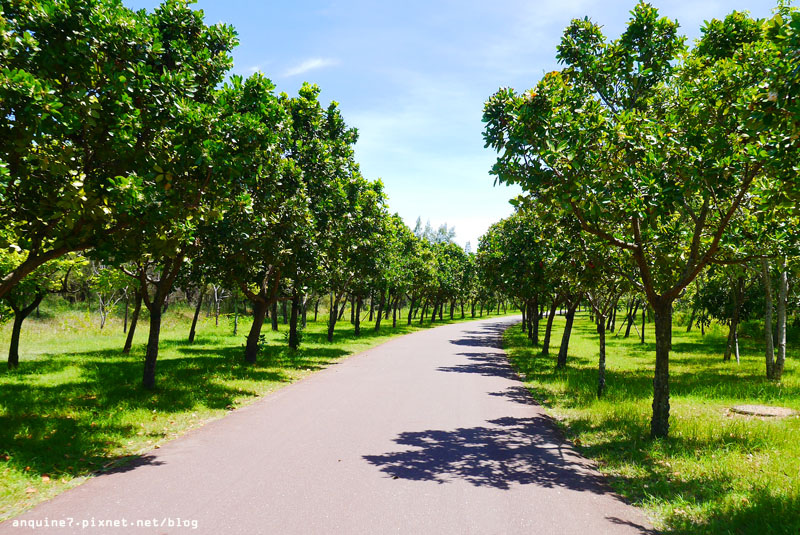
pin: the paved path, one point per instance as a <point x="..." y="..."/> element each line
<point x="428" y="433"/>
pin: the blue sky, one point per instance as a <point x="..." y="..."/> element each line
<point x="412" y="76"/>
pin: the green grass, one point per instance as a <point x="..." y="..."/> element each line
<point x="717" y="472"/>
<point x="75" y="406"/>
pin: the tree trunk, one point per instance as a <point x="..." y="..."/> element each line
<point x="284" y="312"/>
<point x="733" y="333"/>
<point x="357" y="317"/>
<point x="525" y="318"/>
<point x="562" y="352"/>
<point x="472" y="307"/>
<point x="632" y="318"/>
<point x="601" y="368"/>
<point x="334" y="316"/>
<point x="533" y="314"/>
<point x="151" y="355"/>
<point x="193" y="328"/>
<point x="304" y="312"/>
<point x="462" y="309"/>
<point x="19" y="316"/>
<point x="127" y="306"/>
<point x="251" y="347"/>
<point x="381" y="304"/>
<point x="273" y="316"/>
<point x="371" y="306"/>
<point x="410" y="310"/>
<point x="294" y="337"/>
<point x="549" y="328"/>
<point x="137" y="308"/>
<point x="235" y="315"/>
<point x="659" y="424"/>
<point x="395" y="304"/>
<point x="691" y="319"/>
<point x="783" y="293"/>
<point x="316" y="309"/>
<point x="644" y="319"/>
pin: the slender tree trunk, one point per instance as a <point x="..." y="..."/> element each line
<point x="316" y="309"/>
<point x="19" y="316"/>
<point x="304" y="312"/>
<point x="644" y="319"/>
<point x="273" y="316"/>
<point x="334" y="316"/>
<point x="659" y="423"/>
<point x="462" y="309"/>
<point x="137" y="308"/>
<point x="371" y="306"/>
<point x="127" y="306"/>
<point x="424" y="311"/>
<point x="472" y="308"/>
<point x="395" y="304"/>
<point x="341" y="311"/>
<point x="357" y="317"/>
<point x="562" y="352"/>
<point x="733" y="333"/>
<point x="533" y="314"/>
<point x="441" y="312"/>
<point x="783" y="293"/>
<point x="525" y="318"/>
<point x="410" y="310"/>
<point x="601" y="367"/>
<point x="691" y="319"/>
<point x="151" y="355"/>
<point x="548" y="330"/>
<point x="235" y="315"/>
<point x="769" y="352"/>
<point x="193" y="328"/>
<point x="379" y="317"/>
<point x="632" y="318"/>
<point x="294" y="337"/>
<point x="285" y="312"/>
<point x="251" y="347"/>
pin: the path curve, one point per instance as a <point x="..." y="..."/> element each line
<point x="428" y="433"/>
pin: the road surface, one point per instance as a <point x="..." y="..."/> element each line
<point x="428" y="433"/>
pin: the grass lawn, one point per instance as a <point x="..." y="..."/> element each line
<point x="75" y="405"/>
<point x="717" y="472"/>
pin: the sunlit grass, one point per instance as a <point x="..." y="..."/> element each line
<point x="75" y="405"/>
<point x="717" y="472"/>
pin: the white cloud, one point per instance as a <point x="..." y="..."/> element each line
<point x="310" y="65"/>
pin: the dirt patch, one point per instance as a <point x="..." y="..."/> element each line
<point x="763" y="410"/>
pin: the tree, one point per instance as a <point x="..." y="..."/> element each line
<point x="250" y="244"/>
<point x="651" y="151"/>
<point x="185" y="180"/>
<point x="26" y="296"/>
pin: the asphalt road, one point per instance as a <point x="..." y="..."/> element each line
<point x="428" y="433"/>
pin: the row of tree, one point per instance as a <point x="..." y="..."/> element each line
<point x="645" y="165"/>
<point x="124" y="147"/>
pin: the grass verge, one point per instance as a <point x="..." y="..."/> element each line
<point x="717" y="472"/>
<point x="75" y="406"/>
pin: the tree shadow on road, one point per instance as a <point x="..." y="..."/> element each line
<point x="505" y="452"/>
